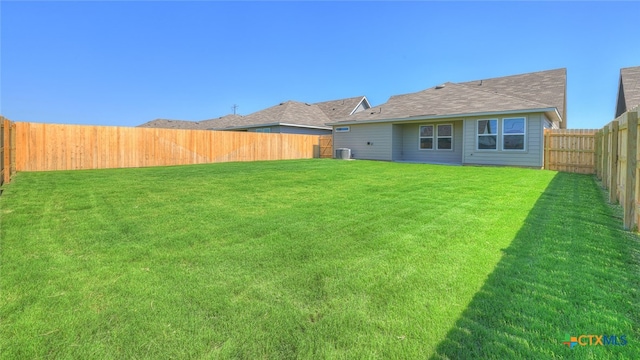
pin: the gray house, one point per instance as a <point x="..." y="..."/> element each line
<point x="496" y="121"/>
<point x="628" y="90"/>
<point x="295" y="117"/>
<point x="291" y="117"/>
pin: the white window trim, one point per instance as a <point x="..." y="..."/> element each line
<point x="497" y="135"/>
<point x="263" y="130"/>
<point x="432" y="137"/>
<point x="502" y="135"/>
<point x="448" y="136"/>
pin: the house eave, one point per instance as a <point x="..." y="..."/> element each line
<point x="274" y="124"/>
<point x="551" y="112"/>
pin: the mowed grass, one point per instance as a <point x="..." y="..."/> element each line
<point x="313" y="259"/>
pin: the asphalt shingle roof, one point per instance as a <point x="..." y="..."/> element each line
<point x="545" y="89"/>
<point x="289" y="112"/>
<point x="629" y="91"/>
<point x="339" y="109"/>
<point x="450" y="99"/>
<point x="189" y="125"/>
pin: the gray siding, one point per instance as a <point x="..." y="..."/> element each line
<point x="396" y="146"/>
<point x="304" y="131"/>
<point x="410" y="145"/>
<point x="400" y="142"/>
<point x="274" y="129"/>
<point x="379" y="137"/>
<point x="530" y="157"/>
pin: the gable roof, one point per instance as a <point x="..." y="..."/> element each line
<point x="286" y="113"/>
<point x="188" y="125"/>
<point x="547" y="87"/>
<point x="628" y="90"/>
<point x="291" y="113"/>
<point x="446" y="99"/>
<point x="506" y="94"/>
<point x="341" y="108"/>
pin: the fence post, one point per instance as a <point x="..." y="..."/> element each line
<point x="12" y="150"/>
<point x="629" y="196"/>
<point x="2" y="129"/>
<point x="546" y="149"/>
<point x="6" y="154"/>
<point x="597" y="153"/>
<point x="605" y="156"/>
<point x="613" y="162"/>
<point x="636" y="181"/>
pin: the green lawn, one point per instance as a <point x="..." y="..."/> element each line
<point x="313" y="259"/>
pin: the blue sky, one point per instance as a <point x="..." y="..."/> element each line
<point x="126" y="63"/>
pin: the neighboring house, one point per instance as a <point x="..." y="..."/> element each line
<point x="290" y="117"/>
<point x="190" y="125"/>
<point x="496" y="121"/>
<point x="628" y="90"/>
<point x="340" y="109"/>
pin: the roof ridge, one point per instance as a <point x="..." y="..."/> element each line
<point x="630" y="67"/>
<point x="505" y="95"/>
<point x="342" y="99"/>
<point x="516" y="75"/>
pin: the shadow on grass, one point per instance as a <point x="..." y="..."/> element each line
<point x="571" y="269"/>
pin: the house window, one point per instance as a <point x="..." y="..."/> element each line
<point x="488" y="134"/>
<point x="513" y="133"/>
<point x="444" y="135"/>
<point x="426" y="137"/>
<point x="263" y="130"/>
<point x="343" y="129"/>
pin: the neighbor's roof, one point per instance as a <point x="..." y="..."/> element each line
<point x="542" y="90"/>
<point x="189" y="125"/>
<point x="289" y="112"/>
<point x="340" y="109"/>
<point x="628" y="90"/>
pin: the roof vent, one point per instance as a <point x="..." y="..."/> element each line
<point x="441" y="86"/>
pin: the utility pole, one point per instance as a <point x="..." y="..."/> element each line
<point x="234" y="107"/>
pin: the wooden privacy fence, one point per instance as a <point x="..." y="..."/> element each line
<point x="7" y="150"/>
<point x="617" y="159"/>
<point x="44" y="147"/>
<point x="570" y="150"/>
<point x="326" y="146"/>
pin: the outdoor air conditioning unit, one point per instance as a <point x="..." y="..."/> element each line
<point x="343" y="153"/>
